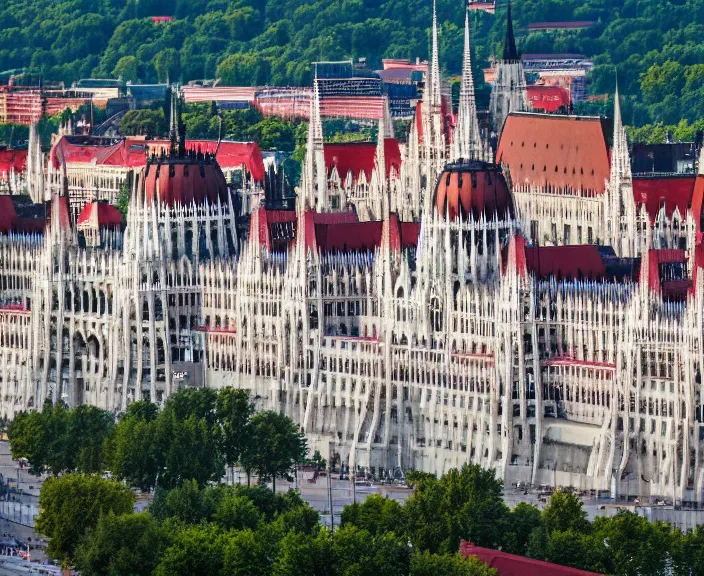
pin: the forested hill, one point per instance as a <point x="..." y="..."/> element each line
<point x="655" y="45"/>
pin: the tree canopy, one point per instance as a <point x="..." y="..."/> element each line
<point x="653" y="46"/>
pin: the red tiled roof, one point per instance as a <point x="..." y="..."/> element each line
<point x="361" y="157"/>
<point x="409" y="234"/>
<point x="697" y="198"/>
<point x="183" y="182"/>
<point x="566" y="262"/>
<point x="512" y="565"/>
<point x="472" y="190"/>
<point x="338" y="231"/>
<point x="548" y="98"/>
<point x="132" y="153"/>
<point x="128" y="153"/>
<point x="671" y="192"/>
<point x="233" y="155"/>
<point x="12" y="160"/>
<point x="100" y="214"/>
<point x="560" y="151"/>
<point x="8" y="216"/>
<point x="361" y="236"/>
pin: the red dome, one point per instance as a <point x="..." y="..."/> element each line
<point x="182" y="180"/>
<point x="473" y="188"/>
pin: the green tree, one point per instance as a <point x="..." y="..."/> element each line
<point x="633" y="546"/>
<point x="28" y="439"/>
<point x="376" y="515"/>
<point x="243" y="69"/>
<point x="276" y="446"/>
<point x="90" y="428"/>
<point x="188" y="451"/>
<point x="465" y="504"/>
<point x="523" y="520"/>
<point x="358" y="553"/>
<point x="427" y="564"/>
<point x="167" y="65"/>
<point x="136" y="457"/>
<point x="300" y="553"/>
<point x="128" y="544"/>
<point x="126" y="68"/>
<point x="72" y="504"/>
<point x="60" y="440"/>
<point x="149" y="123"/>
<point x="233" y="411"/>
<point x="564" y="512"/>
<point x="246" y="554"/>
<point x="237" y="513"/>
<point x="193" y="551"/>
<point x="123" y="201"/>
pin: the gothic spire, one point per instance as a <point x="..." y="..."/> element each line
<point x="435" y="94"/>
<point x="468" y="139"/>
<point x="510" y="52"/>
<point x="620" y="160"/>
<point x="314" y="176"/>
<point x="177" y="136"/>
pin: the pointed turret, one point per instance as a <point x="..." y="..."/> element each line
<point x="381" y="168"/>
<point x="314" y="175"/>
<point x="468" y="143"/>
<point x="620" y="209"/>
<point x="620" y="159"/>
<point x="435" y="86"/>
<point x="510" y="52"/>
<point x="509" y="91"/>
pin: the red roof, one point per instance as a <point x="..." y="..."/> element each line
<point x="128" y="153"/>
<point x="575" y="25"/>
<point x="12" y="160"/>
<point x="132" y="153"/>
<point x="473" y="189"/>
<point x="671" y="289"/>
<point x="335" y="231"/>
<point x="566" y="262"/>
<point x="548" y="98"/>
<point x="8" y="216"/>
<point x="560" y="151"/>
<point x="671" y="192"/>
<point x="99" y="215"/>
<point x="512" y="565"/>
<point x="184" y="180"/>
<point x="361" y="157"/>
<point x="233" y="155"/>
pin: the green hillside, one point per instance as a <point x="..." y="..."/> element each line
<point x="654" y="45"/>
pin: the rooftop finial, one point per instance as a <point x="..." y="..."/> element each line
<point x="510" y="51"/>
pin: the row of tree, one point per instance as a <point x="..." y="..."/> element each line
<point x="202" y="526"/>
<point x="194" y="437"/>
<point x="221" y="530"/>
<point x="213" y="530"/>
<point x="653" y="46"/>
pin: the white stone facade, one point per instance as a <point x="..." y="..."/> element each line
<point x="425" y="355"/>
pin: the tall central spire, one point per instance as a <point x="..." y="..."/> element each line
<point x="435" y="94"/>
<point x="468" y="144"/>
<point x="510" y="51"/>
